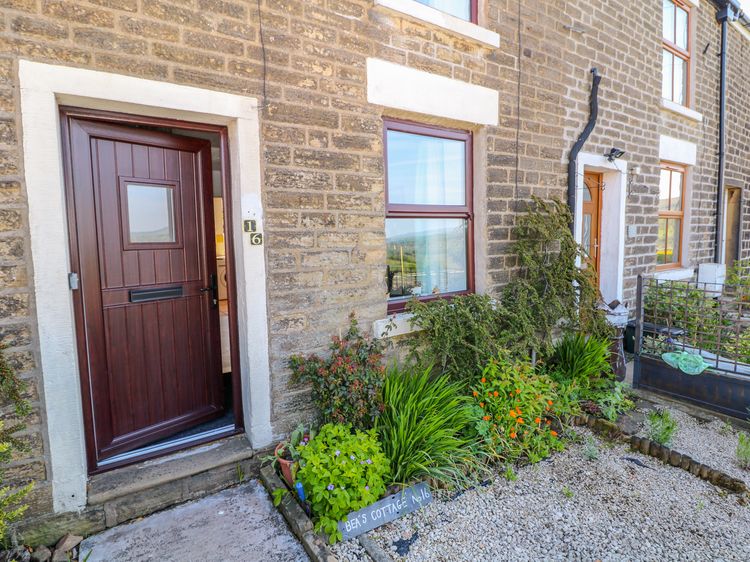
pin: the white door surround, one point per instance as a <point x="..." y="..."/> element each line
<point x="612" y="244"/>
<point x="43" y="89"/>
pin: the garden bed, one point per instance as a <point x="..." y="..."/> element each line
<point x="622" y="506"/>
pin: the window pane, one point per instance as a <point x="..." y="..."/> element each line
<point x="664" y="190"/>
<point x="668" y="242"/>
<point x="425" y="170"/>
<point x="668" y="24"/>
<point x="459" y="8"/>
<point x="681" y="39"/>
<point x="426" y="256"/>
<point x="666" y="77"/>
<point x="150" y="214"/>
<point x="680" y="80"/>
<point x="675" y="202"/>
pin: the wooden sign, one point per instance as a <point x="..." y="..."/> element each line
<point x="385" y="510"/>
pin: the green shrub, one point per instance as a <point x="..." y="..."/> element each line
<point x="549" y="292"/>
<point x="346" y="386"/>
<point x="427" y="428"/>
<point x="12" y="389"/>
<point x="614" y="402"/>
<point x="661" y="427"/>
<point x="519" y="410"/>
<point x="456" y="337"/>
<point x="743" y="449"/>
<point x="585" y="362"/>
<point x="341" y="472"/>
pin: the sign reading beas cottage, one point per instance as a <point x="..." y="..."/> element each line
<point x="385" y="510"/>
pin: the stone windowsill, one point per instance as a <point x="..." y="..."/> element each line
<point x="677" y="274"/>
<point x="682" y="110"/>
<point x="425" y="13"/>
<point x="400" y="326"/>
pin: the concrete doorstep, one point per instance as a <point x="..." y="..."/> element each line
<point x="238" y="524"/>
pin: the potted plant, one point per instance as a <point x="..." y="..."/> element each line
<point x="286" y="455"/>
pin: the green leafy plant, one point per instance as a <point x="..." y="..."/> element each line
<point x="550" y="292"/>
<point x="456" y="337"/>
<point x="290" y="449"/>
<point x="341" y="472"/>
<point x="616" y="401"/>
<point x="12" y="390"/>
<point x="583" y="361"/>
<point x="519" y="410"/>
<point x="567" y="492"/>
<point x="661" y="427"/>
<point x="347" y="385"/>
<point x="510" y="474"/>
<point x="427" y="428"/>
<point x="591" y="450"/>
<point x="743" y="450"/>
<point x="278" y="496"/>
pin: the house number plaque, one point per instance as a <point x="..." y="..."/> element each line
<point x="256" y="239"/>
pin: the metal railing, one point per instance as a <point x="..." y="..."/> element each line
<point x="706" y="319"/>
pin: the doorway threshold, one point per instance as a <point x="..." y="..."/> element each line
<point x="168" y="445"/>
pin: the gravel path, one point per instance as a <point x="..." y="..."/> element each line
<point x="712" y="443"/>
<point x="570" y="508"/>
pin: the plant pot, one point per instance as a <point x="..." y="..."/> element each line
<point x="286" y="466"/>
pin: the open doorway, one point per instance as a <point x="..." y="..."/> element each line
<point x="155" y="309"/>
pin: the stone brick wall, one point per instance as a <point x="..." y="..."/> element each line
<point x="322" y="142"/>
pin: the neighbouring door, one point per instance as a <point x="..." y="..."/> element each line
<point x="591" y="231"/>
<point x="141" y="222"/>
<point x="734" y="221"/>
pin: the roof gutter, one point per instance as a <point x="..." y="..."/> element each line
<point x="573" y="158"/>
<point x="728" y="11"/>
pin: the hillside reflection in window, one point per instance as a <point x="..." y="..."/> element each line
<point x="463" y="9"/>
<point x="428" y="212"/>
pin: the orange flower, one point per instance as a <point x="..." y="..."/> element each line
<point x="496" y="393"/>
<point x="519" y="411"/>
<point x="519" y="420"/>
<point x="513" y="414"/>
<point x="549" y="402"/>
<point x="487" y="418"/>
<point x="484" y="380"/>
<point x="553" y="433"/>
<point x="518" y="391"/>
<point x="481" y="404"/>
<point x="512" y="434"/>
<point x="546" y="408"/>
<point x="548" y="422"/>
<point x="538" y="420"/>
<point x="476" y="393"/>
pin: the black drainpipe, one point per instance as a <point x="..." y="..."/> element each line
<point x="727" y="13"/>
<point x="573" y="158"/>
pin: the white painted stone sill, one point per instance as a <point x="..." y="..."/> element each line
<point x="399" y="324"/>
<point x="427" y="14"/>
<point x="678" y="274"/>
<point x="691" y="114"/>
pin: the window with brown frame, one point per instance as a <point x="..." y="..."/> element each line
<point x="671" y="216"/>
<point x="676" y="46"/>
<point x="428" y="225"/>
<point x="462" y="9"/>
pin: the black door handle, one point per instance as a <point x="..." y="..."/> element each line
<point x="213" y="290"/>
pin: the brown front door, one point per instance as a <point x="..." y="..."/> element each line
<point x="734" y="213"/>
<point x="148" y="322"/>
<point x="591" y="235"/>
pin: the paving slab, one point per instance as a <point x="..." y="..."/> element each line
<point x="238" y="524"/>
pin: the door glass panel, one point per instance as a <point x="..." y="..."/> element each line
<point x="675" y="201"/>
<point x="586" y="193"/>
<point x="426" y="256"/>
<point x="425" y="170"/>
<point x="668" y="23"/>
<point x="664" y="190"/>
<point x="586" y="242"/>
<point x="459" y="8"/>
<point x="681" y="38"/>
<point x="666" y="82"/>
<point x="150" y="214"/>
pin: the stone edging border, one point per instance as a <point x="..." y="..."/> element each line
<point x="302" y="526"/>
<point x="666" y="455"/>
